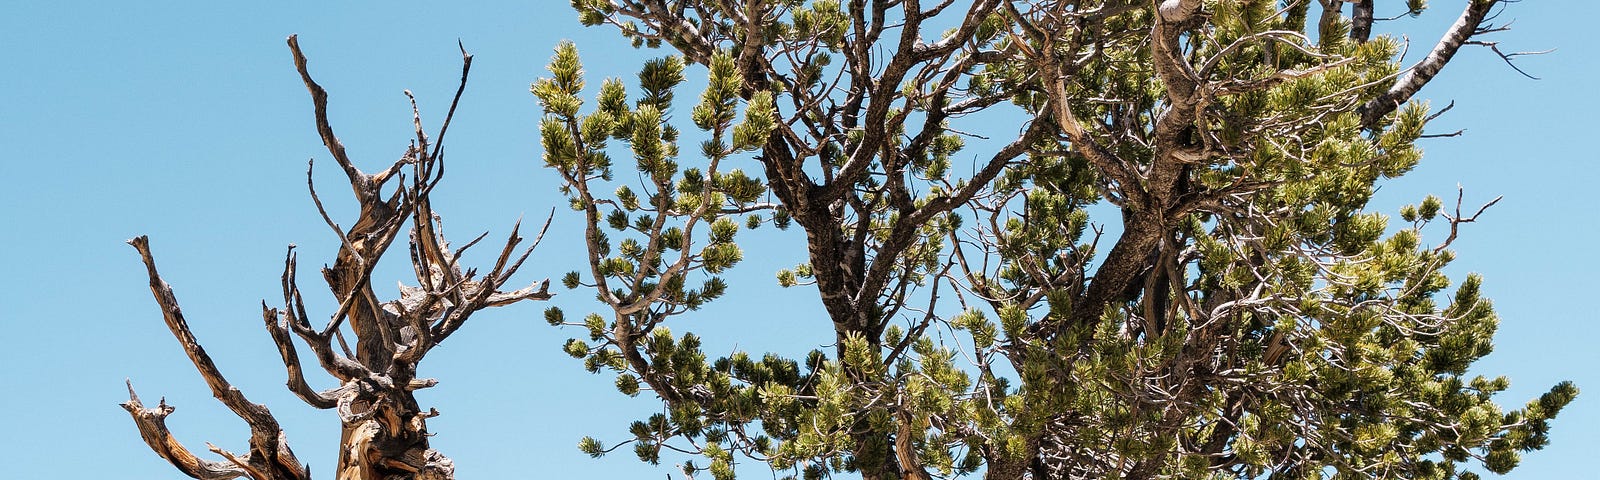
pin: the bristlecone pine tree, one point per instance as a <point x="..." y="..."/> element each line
<point x="1247" y="318"/>
<point x="384" y="431"/>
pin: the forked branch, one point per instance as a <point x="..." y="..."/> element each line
<point x="1468" y="25"/>
<point x="268" y="451"/>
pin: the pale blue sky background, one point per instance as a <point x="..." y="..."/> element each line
<point x="186" y="121"/>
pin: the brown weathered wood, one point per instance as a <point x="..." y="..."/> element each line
<point x="152" y="423"/>
<point x="269" y="456"/>
<point x="384" y="433"/>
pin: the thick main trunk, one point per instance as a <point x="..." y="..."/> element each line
<point x="388" y="447"/>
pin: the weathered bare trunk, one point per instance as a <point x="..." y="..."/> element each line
<point x="384" y="433"/>
<point x="389" y="444"/>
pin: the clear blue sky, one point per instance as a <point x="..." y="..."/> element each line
<point x="186" y="121"/>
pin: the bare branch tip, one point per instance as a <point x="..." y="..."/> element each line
<point x="294" y="49"/>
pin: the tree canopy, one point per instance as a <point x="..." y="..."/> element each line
<point x="1169" y="270"/>
<point x="1251" y="319"/>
